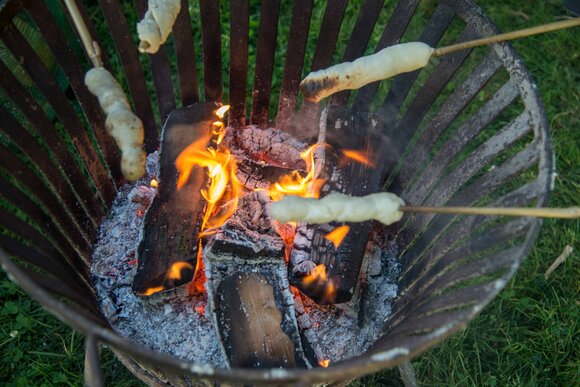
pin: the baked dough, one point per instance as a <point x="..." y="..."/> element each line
<point x="390" y="61"/>
<point x="121" y="123"/>
<point x="338" y="207"/>
<point x="157" y="24"/>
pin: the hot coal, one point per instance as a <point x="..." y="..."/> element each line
<point x="185" y="326"/>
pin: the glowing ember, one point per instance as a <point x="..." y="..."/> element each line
<point x="358" y="156"/>
<point x="154" y="183"/>
<point x="337" y="235"/>
<point x="324" y="363"/>
<point x="294" y="184"/>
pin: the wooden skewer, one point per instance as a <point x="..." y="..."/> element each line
<point x="507" y="36"/>
<point x="91" y="47"/>
<point x="562" y="213"/>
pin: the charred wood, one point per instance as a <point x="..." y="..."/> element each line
<point x="172" y="222"/>
<point x="345" y="131"/>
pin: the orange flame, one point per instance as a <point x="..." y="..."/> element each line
<point x="152" y="290"/>
<point x="337" y="235"/>
<point x="174" y="272"/>
<point x="358" y="156"/>
<point x="319" y="277"/>
<point x="324" y="363"/>
<point x="154" y="183"/>
<point x="295" y="184"/>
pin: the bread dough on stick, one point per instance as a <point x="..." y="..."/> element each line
<point x="157" y="24"/>
<point x="125" y="127"/>
<point x="338" y="207"/>
<point x="390" y="61"/>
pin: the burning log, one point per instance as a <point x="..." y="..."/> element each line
<point x="249" y="293"/>
<point x="168" y="249"/>
<point x="353" y="166"/>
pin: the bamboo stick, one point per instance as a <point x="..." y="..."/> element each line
<point x="91" y="47"/>
<point x="507" y="36"/>
<point x="562" y="213"/>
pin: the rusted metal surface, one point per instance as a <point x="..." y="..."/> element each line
<point x="438" y="253"/>
<point x="266" y="50"/>
<point x="212" y="46"/>
<point x="185" y="56"/>
<point x="239" y="24"/>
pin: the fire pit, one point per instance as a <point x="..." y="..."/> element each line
<point x="468" y="129"/>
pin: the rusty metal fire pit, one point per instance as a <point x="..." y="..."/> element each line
<point x="467" y="130"/>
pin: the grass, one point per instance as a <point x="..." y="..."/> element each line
<point x="528" y="335"/>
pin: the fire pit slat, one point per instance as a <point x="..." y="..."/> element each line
<point x="67" y="212"/>
<point x="212" y="55"/>
<point x="266" y="50"/>
<point x="391" y="35"/>
<point x="401" y="86"/>
<point x="295" y="51"/>
<point x="64" y="54"/>
<point x="185" y="56"/>
<point x="450" y="110"/>
<point x="239" y="25"/>
<point x="361" y="33"/>
<point x="161" y="72"/>
<point x="132" y="69"/>
<point x="429" y="92"/>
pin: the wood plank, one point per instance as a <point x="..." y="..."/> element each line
<point x="185" y="56"/>
<point x="239" y="26"/>
<point x="172" y="222"/>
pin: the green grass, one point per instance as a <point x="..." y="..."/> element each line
<point x="526" y="336"/>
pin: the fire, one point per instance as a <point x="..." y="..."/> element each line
<point x="295" y="184"/>
<point x="318" y="277"/>
<point x="175" y="270"/>
<point x="152" y="290"/>
<point x="154" y="183"/>
<point x="358" y="156"/>
<point x="337" y="235"/>
<point x="324" y="363"/>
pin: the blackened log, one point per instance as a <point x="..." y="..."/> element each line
<point x="344" y="129"/>
<point x="248" y="291"/>
<point x="172" y="222"/>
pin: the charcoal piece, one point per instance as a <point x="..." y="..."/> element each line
<point x="344" y="130"/>
<point x="248" y="291"/>
<point x="172" y="222"/>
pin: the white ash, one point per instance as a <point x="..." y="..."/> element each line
<point x="177" y="326"/>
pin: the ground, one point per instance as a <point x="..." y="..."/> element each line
<point x="526" y="336"/>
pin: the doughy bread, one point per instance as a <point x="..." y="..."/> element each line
<point x="390" y="61"/>
<point x="125" y="127"/>
<point x="383" y="206"/>
<point x="157" y="24"/>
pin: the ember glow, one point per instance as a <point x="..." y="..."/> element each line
<point x="337" y="235"/>
<point x="154" y="183"/>
<point x="358" y="156"/>
<point x="295" y="184"/>
<point x="324" y="363"/>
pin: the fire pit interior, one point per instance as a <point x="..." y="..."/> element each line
<point x="184" y="273"/>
